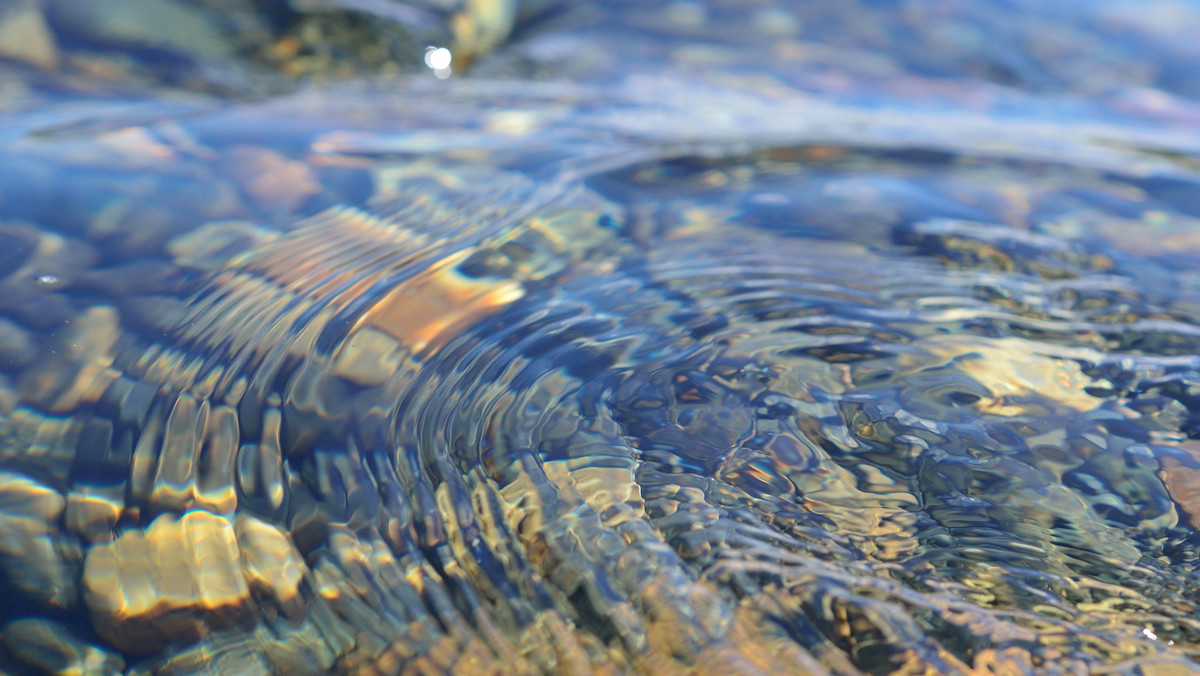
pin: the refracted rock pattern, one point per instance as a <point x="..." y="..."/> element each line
<point x="601" y="369"/>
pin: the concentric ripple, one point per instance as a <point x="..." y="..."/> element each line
<point x="492" y="425"/>
<point x="763" y="444"/>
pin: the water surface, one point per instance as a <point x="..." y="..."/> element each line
<point x="681" y="337"/>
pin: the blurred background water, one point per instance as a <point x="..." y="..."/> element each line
<point x="368" y="336"/>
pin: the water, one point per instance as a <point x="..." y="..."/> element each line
<point x="641" y="337"/>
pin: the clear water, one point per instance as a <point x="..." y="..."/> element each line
<point x="746" y="337"/>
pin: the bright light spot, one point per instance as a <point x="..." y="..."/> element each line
<point x="47" y="279"/>
<point x="438" y="58"/>
<point x="1149" y="634"/>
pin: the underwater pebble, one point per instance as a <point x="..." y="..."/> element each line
<point x="270" y="178"/>
<point x="54" y="648"/>
<point x="173" y="581"/>
<point x="17" y="347"/>
<point x="34" y="556"/>
<point x="270" y="562"/>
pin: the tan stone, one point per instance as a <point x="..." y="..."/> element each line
<point x="270" y="562"/>
<point x="1180" y="479"/>
<point x="368" y="357"/>
<point x="1017" y="368"/>
<point x="174" y="581"/>
<point x="92" y="514"/>
<point x="212" y="245"/>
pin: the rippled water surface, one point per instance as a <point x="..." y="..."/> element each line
<point x="638" y="337"/>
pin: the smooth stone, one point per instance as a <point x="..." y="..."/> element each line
<point x="175" y="581"/>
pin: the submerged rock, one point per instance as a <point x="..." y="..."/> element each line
<point x="53" y="648"/>
<point x="36" y="557"/>
<point x="172" y="582"/>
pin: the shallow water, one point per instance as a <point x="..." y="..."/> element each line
<point x="665" y="338"/>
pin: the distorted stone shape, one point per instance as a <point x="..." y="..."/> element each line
<point x="176" y="464"/>
<point x="211" y="245"/>
<point x="92" y="513"/>
<point x="24" y="35"/>
<point x="999" y="247"/>
<point x="369" y="357"/>
<point x="280" y="647"/>
<point x="34" y="556"/>
<point x="428" y="310"/>
<point x="270" y="562"/>
<point x="139" y="217"/>
<point x="216" y="467"/>
<point x="228" y="652"/>
<point x="80" y="373"/>
<point x="139" y="146"/>
<point x="36" y="258"/>
<point x="1012" y="367"/>
<point x="173" y="582"/>
<point x="39" y="444"/>
<point x="261" y="476"/>
<point x="1181" y="477"/>
<point x="270" y="178"/>
<point x="53" y="648"/>
<point x="22" y="497"/>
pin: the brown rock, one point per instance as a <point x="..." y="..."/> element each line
<point x="174" y="581"/>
